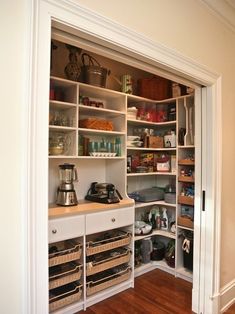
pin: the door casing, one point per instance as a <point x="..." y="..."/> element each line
<point x="35" y="197"/>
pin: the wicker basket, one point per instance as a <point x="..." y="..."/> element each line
<point x="187" y="200"/>
<point x="109" y="281"/>
<point x="96" y="267"/>
<point x="68" y="251"/>
<point x="185" y="222"/>
<point x="102" y="246"/>
<point x="155" y="87"/>
<point x="67" y="273"/>
<point x="61" y="299"/>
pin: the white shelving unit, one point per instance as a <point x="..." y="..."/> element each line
<point x="67" y="109"/>
<point x="138" y="181"/>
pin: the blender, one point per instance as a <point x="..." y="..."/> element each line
<point x="66" y="195"/>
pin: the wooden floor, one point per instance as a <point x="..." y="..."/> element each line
<point x="231" y="310"/>
<point x="155" y="293"/>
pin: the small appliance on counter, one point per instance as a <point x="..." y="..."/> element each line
<point x="66" y="195"/>
<point x="103" y="193"/>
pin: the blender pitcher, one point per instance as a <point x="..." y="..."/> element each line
<point x="66" y="195"/>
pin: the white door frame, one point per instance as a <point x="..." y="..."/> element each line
<point x="35" y="198"/>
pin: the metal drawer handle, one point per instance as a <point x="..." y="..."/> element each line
<point x="113" y="219"/>
<point x="54" y="231"/>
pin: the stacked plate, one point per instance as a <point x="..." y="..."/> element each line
<point x="134" y="141"/>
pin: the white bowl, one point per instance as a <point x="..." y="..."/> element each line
<point x="142" y="228"/>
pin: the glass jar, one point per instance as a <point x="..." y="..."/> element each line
<point x="58" y="144"/>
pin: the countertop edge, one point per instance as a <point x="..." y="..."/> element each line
<point x="85" y="207"/>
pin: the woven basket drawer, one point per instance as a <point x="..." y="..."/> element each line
<point x="93" y="268"/>
<point x="66" y="273"/>
<point x="115" y="242"/>
<point x="99" y="285"/>
<point x="63" y="297"/>
<point x="67" y="251"/>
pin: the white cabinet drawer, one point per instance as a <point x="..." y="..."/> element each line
<point x="110" y="219"/>
<point x="65" y="228"/>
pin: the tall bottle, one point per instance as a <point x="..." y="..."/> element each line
<point x="118" y="148"/>
<point x="158" y="219"/>
<point x="164" y="220"/>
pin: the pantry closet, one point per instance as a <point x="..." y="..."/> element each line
<point x="171" y="160"/>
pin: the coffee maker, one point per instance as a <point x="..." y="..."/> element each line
<point x="66" y="195"/>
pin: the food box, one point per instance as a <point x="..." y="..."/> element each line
<point x="155" y="141"/>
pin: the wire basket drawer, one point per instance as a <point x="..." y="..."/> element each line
<point x="65" y="295"/>
<point x="118" y="240"/>
<point x="63" y="252"/>
<point x="63" y="274"/>
<point x="111" y="278"/>
<point x="113" y="259"/>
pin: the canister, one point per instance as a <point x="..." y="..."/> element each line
<point x="126" y="81"/>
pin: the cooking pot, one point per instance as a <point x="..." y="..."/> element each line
<point x="158" y="251"/>
<point x="92" y="72"/>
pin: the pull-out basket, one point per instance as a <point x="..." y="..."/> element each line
<point x="65" y="295"/>
<point x="118" y="240"/>
<point x="63" y="274"/>
<point x="115" y="258"/>
<point x="94" y="286"/>
<point x="65" y="251"/>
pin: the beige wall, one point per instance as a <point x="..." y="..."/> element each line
<point x="12" y="83"/>
<point x="188" y="27"/>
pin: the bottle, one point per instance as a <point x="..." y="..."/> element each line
<point x="164" y="221"/>
<point x="158" y="219"/>
<point x="153" y="221"/>
<point x="118" y="146"/>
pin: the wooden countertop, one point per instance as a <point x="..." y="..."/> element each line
<point x="85" y="207"/>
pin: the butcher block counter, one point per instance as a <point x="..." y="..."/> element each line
<point x="86" y="207"/>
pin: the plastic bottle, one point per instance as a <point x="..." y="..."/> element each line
<point x="118" y="146"/>
<point x="153" y="221"/>
<point x="158" y="219"/>
<point x="164" y="221"/>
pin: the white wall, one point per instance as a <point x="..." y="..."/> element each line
<point x="184" y="25"/>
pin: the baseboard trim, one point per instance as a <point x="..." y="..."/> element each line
<point x="227" y="296"/>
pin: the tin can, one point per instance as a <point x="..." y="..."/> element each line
<point x="126" y="81"/>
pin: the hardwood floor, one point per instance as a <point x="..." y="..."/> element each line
<point x="156" y="292"/>
<point x="231" y="310"/>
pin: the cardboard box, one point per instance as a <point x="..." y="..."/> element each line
<point x="155" y="142"/>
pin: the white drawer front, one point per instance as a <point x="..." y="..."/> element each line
<point x="109" y="220"/>
<point x="65" y="228"/>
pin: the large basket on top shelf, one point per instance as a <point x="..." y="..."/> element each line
<point x="115" y="241"/>
<point x="64" y="251"/>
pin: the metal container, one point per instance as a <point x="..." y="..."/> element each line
<point x="93" y="73"/>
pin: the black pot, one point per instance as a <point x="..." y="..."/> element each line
<point x="158" y="251"/>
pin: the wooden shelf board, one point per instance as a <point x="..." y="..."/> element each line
<point x="85" y="207"/>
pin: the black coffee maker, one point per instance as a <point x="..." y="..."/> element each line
<point x="103" y="193"/>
